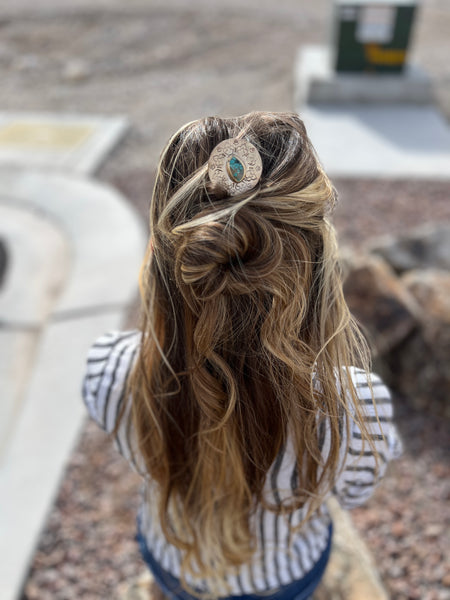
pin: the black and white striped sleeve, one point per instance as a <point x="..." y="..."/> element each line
<point x="362" y="472"/>
<point x="109" y="362"/>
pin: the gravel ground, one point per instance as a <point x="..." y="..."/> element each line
<point x="162" y="64"/>
<point x="406" y="524"/>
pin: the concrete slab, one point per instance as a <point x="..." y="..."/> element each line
<point x="40" y="261"/>
<point x="77" y="143"/>
<point x="93" y="218"/>
<point x="98" y="226"/>
<point x="316" y="82"/>
<point x="371" y="125"/>
<point x="391" y="141"/>
<point x="17" y="353"/>
<point x="44" y="436"/>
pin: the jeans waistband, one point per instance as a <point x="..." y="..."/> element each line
<point x="297" y="590"/>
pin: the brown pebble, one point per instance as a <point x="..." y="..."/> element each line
<point x="433" y="530"/>
<point x="398" y="529"/>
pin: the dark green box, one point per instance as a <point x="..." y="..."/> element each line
<point x="372" y="35"/>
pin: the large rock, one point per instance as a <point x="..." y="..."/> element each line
<point x="386" y="310"/>
<point x="431" y="289"/>
<point x="425" y="247"/>
<point x="420" y="366"/>
<point x="407" y="322"/>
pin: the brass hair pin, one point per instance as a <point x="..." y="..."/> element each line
<point x="235" y="165"/>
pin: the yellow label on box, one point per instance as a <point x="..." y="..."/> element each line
<point x="384" y="56"/>
<point x="44" y="135"/>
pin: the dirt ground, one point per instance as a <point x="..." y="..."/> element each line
<point x="163" y="64"/>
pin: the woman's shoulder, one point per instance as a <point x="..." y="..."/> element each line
<point x="374" y="401"/>
<point x="110" y="341"/>
<point x="109" y="361"/>
<point x="372" y="442"/>
<point x="369" y="387"/>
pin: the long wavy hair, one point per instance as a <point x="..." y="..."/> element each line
<point x="245" y="336"/>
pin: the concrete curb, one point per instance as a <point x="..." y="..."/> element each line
<point x="64" y="142"/>
<point x="41" y="263"/>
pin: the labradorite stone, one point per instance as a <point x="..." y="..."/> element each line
<point x="236" y="169"/>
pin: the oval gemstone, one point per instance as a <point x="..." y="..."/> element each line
<point x="236" y="169"/>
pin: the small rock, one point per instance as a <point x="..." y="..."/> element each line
<point x="398" y="530"/>
<point x="395" y="571"/>
<point x="26" y="62"/>
<point x="440" y="470"/>
<point x="76" y="70"/>
<point x="439" y="571"/>
<point x="433" y="530"/>
<point x="32" y="591"/>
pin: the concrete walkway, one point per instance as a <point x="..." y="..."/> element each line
<point x="75" y="247"/>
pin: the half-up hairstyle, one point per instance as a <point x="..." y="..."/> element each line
<point x="245" y="338"/>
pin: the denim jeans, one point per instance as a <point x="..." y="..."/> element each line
<point x="301" y="589"/>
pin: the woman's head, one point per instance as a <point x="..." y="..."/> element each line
<point x="215" y="244"/>
<point x="244" y="330"/>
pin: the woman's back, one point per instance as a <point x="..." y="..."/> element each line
<point x="282" y="555"/>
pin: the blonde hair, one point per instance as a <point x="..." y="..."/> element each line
<point x="245" y="338"/>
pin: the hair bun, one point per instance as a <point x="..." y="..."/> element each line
<point x="228" y="257"/>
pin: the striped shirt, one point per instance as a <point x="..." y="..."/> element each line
<point x="281" y="555"/>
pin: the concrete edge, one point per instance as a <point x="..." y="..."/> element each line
<point x="83" y="159"/>
<point x="316" y="82"/>
<point x="41" y="261"/>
